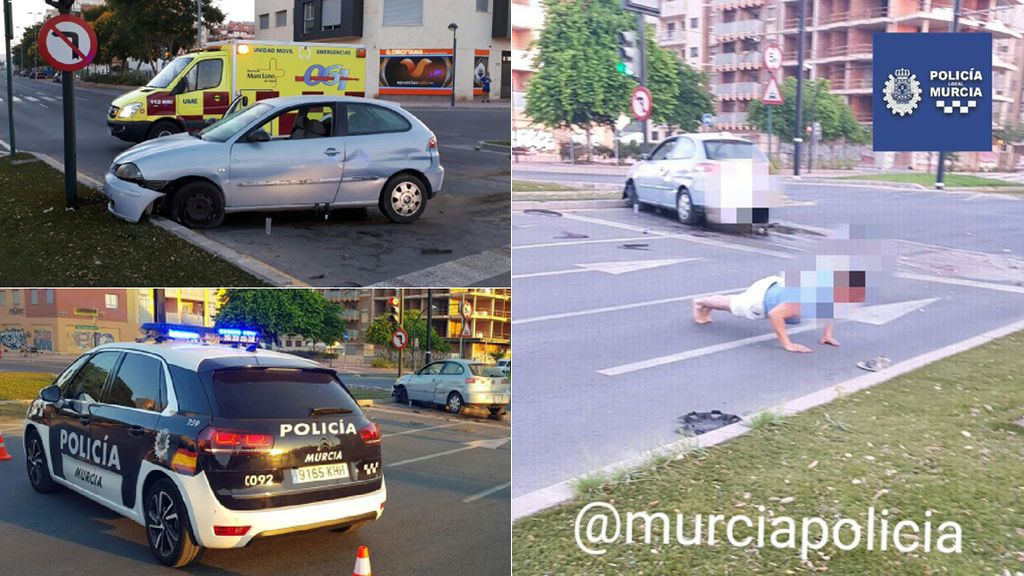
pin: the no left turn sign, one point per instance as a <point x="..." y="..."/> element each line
<point x="399" y="339"/>
<point x="67" y="43"/>
<point x="641" y="103"/>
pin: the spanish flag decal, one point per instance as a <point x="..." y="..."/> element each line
<point x="184" y="461"/>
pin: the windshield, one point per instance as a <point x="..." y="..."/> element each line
<point x="488" y="370"/>
<point x="732" y="150"/>
<point x="229" y="125"/>
<point x="170" y="72"/>
<point x="278" y="393"/>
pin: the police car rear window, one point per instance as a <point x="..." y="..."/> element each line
<point x="276" y="393"/>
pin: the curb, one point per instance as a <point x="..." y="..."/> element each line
<point x="533" y="502"/>
<point x="521" y="205"/>
<point x="872" y="183"/>
<point x="482" y="145"/>
<point x="257" y="268"/>
<point x="367" y="403"/>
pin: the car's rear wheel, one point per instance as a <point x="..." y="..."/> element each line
<point x="167" y="526"/>
<point x="351" y="527"/>
<point x="404" y="198"/>
<point x="454" y="403"/>
<point x="684" y="208"/>
<point x="162" y="128"/>
<point x="198" y="205"/>
<point x="35" y="462"/>
<point x="401" y="395"/>
<point x="629" y="194"/>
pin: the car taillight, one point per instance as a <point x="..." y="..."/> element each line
<point x="370" y="433"/>
<point x="432" y="143"/>
<point x="231" y="530"/>
<point x="220" y="440"/>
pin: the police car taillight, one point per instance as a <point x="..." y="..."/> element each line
<point x="370" y="434"/>
<point x="219" y="440"/>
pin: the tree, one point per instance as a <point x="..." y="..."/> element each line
<point x="282" y="312"/>
<point x="114" y="41"/>
<point x="836" y="118"/>
<point x="380" y="330"/>
<point x="680" y="92"/>
<point x="26" y="52"/>
<point x="151" y="27"/>
<point x="694" y="99"/>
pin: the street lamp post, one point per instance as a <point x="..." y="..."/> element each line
<point x="798" y="137"/>
<point x="427" y="354"/>
<point x="455" y="45"/>
<point x="199" y="24"/>
<point x="941" y="175"/>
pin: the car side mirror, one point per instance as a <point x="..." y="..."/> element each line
<point x="50" y="393"/>
<point x="645" y="157"/>
<point x="258" y="136"/>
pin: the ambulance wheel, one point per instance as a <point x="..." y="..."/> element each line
<point x="163" y="128"/>
<point x="684" y="207"/>
<point x="35" y="460"/>
<point x="198" y="205"/>
<point x="167" y="527"/>
<point x="404" y="198"/>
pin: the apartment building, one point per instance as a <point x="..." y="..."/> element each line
<point x="398" y="30"/>
<point x="527" y="23"/>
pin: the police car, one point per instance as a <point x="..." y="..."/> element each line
<point x="207" y="445"/>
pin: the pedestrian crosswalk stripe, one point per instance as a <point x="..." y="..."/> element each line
<point x="31" y="99"/>
<point x="16" y="99"/>
<point x="48" y="99"/>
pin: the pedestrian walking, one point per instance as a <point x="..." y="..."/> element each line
<point x="485" y="83"/>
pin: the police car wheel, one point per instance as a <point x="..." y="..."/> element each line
<point x="167" y="526"/>
<point x="684" y="208"/>
<point x="198" y="205"/>
<point x="35" y="461"/>
<point x="454" y="403"/>
<point x="163" y="128"/>
<point x="404" y="198"/>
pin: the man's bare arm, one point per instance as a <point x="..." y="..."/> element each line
<point x="778" y="319"/>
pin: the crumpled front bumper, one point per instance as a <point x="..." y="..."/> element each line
<point x="128" y="200"/>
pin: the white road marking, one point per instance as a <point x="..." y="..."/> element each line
<point x="620" y="307"/>
<point x="486" y="493"/>
<point x="43" y="105"/>
<point x="48" y="99"/>
<point x="600" y="241"/>
<point x="962" y="282"/>
<point x="492" y="444"/>
<point x="17" y="99"/>
<point x="614" y="268"/>
<point x="465" y="271"/>
<point x="414" y="430"/>
<point x="686" y="237"/>
<point x="877" y="315"/>
<point x="31" y="99"/>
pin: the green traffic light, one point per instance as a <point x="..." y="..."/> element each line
<point x="621" y="67"/>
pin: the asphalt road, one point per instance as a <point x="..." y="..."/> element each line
<point x="609" y="358"/>
<point x="353" y="247"/>
<point x="446" y="514"/>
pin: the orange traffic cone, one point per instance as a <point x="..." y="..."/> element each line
<point x="5" y="456"/>
<point x="362" y="562"/>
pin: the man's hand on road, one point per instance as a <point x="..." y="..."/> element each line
<point x="793" y="347"/>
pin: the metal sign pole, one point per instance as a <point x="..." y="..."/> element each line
<point x="770" y="108"/>
<point x="8" y="34"/>
<point x="401" y="321"/>
<point x="427" y="356"/>
<point x="641" y="28"/>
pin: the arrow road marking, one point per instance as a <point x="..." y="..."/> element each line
<point x="616" y="268"/>
<point x="492" y="444"/>
<point x="875" y="315"/>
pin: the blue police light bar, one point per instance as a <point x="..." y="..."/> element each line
<point x="238" y="335"/>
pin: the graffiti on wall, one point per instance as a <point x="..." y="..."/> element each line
<point x="42" y="339"/>
<point x="13" y="338"/>
<point x="86" y="339"/>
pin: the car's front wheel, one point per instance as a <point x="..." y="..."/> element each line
<point x="685" y="211"/>
<point x="401" y="395"/>
<point x="404" y="198"/>
<point x="35" y="461"/>
<point x="198" y="205"/>
<point x="454" y="403"/>
<point x="167" y="526"/>
<point x="629" y="194"/>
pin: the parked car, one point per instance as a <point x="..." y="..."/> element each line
<point x="456" y="384"/>
<point x="207" y="446"/>
<point x="713" y="177"/>
<point x="505" y="364"/>
<point x="336" y="152"/>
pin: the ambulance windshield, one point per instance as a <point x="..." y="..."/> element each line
<point x="170" y="72"/>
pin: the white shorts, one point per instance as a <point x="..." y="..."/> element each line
<point x="750" y="302"/>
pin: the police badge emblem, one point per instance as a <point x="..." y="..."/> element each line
<point x="902" y="92"/>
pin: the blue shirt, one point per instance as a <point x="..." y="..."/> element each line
<point x="773" y="297"/>
<point x="486" y="83"/>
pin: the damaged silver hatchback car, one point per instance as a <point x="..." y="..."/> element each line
<point x="293" y="153"/>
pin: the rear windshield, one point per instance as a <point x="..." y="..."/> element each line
<point x="277" y="393"/>
<point x="488" y="370"/>
<point x="731" y="150"/>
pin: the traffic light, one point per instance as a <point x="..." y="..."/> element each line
<point x="394" y="312"/>
<point x="629" y="52"/>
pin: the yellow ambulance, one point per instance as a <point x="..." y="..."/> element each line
<point x="196" y="88"/>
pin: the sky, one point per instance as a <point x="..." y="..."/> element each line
<point x="28" y="12"/>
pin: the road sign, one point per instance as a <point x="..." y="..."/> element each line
<point x="816" y="127"/>
<point x="707" y="119"/>
<point x="772" y="95"/>
<point x="67" y="43"/>
<point x="772" y="57"/>
<point x="399" y="339"/>
<point x="641" y="103"/>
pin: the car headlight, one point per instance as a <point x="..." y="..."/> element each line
<point x="128" y="171"/>
<point x="129" y="110"/>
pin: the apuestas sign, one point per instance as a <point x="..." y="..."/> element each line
<point x="67" y="43"/>
<point x="399" y="339"/>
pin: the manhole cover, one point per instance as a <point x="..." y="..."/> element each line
<point x="697" y="423"/>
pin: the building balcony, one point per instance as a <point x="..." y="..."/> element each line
<point x="731" y="118"/>
<point x="851" y="86"/>
<point x="181" y="318"/>
<point x="737" y="29"/>
<point x="852" y="17"/>
<point x="522" y="60"/>
<point x="734" y="4"/>
<point x="738" y="90"/>
<point x="673" y="9"/>
<point x="843" y="52"/>
<point x="736" y="61"/>
<point x="672" y="38"/>
<point x="527" y="16"/>
<point x="1002" y="95"/>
